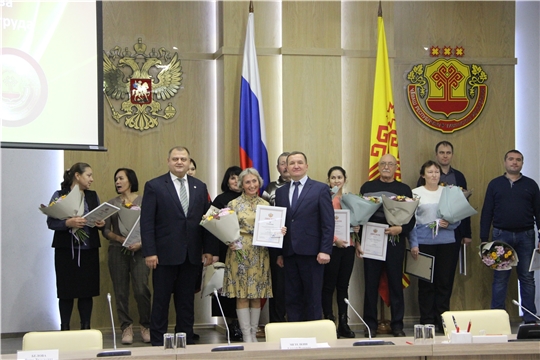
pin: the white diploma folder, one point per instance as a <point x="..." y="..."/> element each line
<point x="535" y="260"/>
<point x="212" y="278"/>
<point x="100" y="213"/>
<point x="423" y="267"/>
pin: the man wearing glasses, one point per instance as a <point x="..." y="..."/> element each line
<point x="395" y="251"/>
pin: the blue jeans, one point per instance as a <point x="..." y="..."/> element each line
<point x="523" y="244"/>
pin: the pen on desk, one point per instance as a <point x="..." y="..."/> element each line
<point x="455" y="323"/>
<point x="469" y="327"/>
<point x="409" y="343"/>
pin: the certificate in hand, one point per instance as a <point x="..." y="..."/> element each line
<point x="268" y="223"/>
<point x="423" y="267"/>
<point x="100" y="213"/>
<point x="134" y="235"/>
<point x="342" y="228"/>
<point x="374" y="241"/>
<point x="535" y="260"/>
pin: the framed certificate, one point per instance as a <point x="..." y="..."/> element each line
<point x="535" y="260"/>
<point x="343" y="224"/>
<point x="374" y="241"/>
<point x="102" y="212"/>
<point x="423" y="267"/>
<point x="268" y="223"/>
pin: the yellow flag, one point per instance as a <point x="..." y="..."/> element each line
<point x="384" y="138"/>
<point x="383" y="121"/>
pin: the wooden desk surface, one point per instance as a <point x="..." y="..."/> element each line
<point x="340" y="349"/>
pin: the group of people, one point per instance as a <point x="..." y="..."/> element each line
<point x="300" y="278"/>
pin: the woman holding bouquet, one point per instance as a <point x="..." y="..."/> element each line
<point x="126" y="262"/>
<point x="76" y="253"/>
<point x="247" y="270"/>
<point x="338" y="271"/>
<point x="230" y="191"/>
<point x="433" y="236"/>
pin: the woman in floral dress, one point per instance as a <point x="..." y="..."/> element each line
<point x="247" y="271"/>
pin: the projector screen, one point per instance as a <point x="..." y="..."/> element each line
<point x="52" y="75"/>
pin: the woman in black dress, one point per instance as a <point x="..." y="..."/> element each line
<point x="76" y="261"/>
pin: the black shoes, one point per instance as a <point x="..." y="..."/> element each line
<point x="373" y="333"/>
<point x="235" y="331"/>
<point x="399" y="333"/>
<point x="343" y="328"/>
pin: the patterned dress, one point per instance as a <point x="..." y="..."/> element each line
<point x="250" y="277"/>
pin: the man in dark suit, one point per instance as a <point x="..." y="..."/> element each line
<point x="307" y="246"/>
<point x="173" y="242"/>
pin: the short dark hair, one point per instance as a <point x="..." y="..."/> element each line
<point x="514" y="151"/>
<point x="333" y="168"/>
<point x="286" y="153"/>
<point x="427" y="164"/>
<point x="179" y="148"/>
<point x="232" y="170"/>
<point x="296" y="153"/>
<point x="193" y="162"/>
<point x="444" y="143"/>
<point x="132" y="178"/>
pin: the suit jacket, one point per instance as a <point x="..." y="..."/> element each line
<point x="310" y="227"/>
<point x="165" y="230"/>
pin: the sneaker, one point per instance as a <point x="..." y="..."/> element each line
<point x="145" y="334"/>
<point x="127" y="335"/>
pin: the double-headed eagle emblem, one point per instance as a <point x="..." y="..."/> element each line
<point x="143" y="79"/>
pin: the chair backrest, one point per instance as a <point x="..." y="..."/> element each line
<point x="63" y="340"/>
<point x="492" y="322"/>
<point x="322" y="330"/>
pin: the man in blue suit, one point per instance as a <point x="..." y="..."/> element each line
<point x="307" y="246"/>
<point x="173" y="242"/>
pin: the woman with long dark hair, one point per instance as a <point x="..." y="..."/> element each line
<point x="76" y="261"/>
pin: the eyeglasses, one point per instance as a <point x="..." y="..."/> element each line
<point x="389" y="164"/>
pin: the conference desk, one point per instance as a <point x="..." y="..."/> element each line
<point x="340" y="349"/>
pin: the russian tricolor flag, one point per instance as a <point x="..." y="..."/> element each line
<point x="253" y="151"/>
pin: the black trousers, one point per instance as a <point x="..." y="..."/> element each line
<point x="372" y="274"/>
<point x="434" y="298"/>
<point x="337" y="274"/>
<point x="303" y="287"/>
<point x="276" y="309"/>
<point x="179" y="281"/>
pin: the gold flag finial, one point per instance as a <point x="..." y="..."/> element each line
<point x="380" y="9"/>
<point x="251" y="6"/>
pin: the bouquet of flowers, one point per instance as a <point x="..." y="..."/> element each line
<point x="466" y="193"/>
<point x="361" y="207"/>
<point x="223" y="224"/>
<point x="398" y="210"/>
<point x="128" y="217"/>
<point x="498" y="255"/>
<point x="67" y="206"/>
<point x="453" y="205"/>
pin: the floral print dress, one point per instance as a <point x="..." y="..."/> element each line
<point x="248" y="278"/>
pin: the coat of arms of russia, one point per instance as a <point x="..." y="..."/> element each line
<point x="447" y="95"/>
<point x="141" y="81"/>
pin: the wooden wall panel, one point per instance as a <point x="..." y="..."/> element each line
<point x="317" y="63"/>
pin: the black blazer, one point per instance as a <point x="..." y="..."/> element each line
<point x="166" y="231"/>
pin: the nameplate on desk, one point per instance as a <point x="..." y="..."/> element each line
<point x="38" y="355"/>
<point x="298" y="343"/>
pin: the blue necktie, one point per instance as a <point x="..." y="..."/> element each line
<point x="295" y="195"/>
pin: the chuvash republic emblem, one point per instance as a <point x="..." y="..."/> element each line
<point x="447" y="95"/>
<point x="141" y="80"/>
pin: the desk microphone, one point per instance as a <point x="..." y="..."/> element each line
<point x="524" y="308"/>
<point x="113" y="352"/>
<point x="364" y="342"/>
<point x="228" y="347"/>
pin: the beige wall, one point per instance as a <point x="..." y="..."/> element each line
<point x="316" y="62"/>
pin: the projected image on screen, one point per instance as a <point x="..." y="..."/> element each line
<point x="51" y="61"/>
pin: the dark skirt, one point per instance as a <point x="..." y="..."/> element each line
<point x="73" y="281"/>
